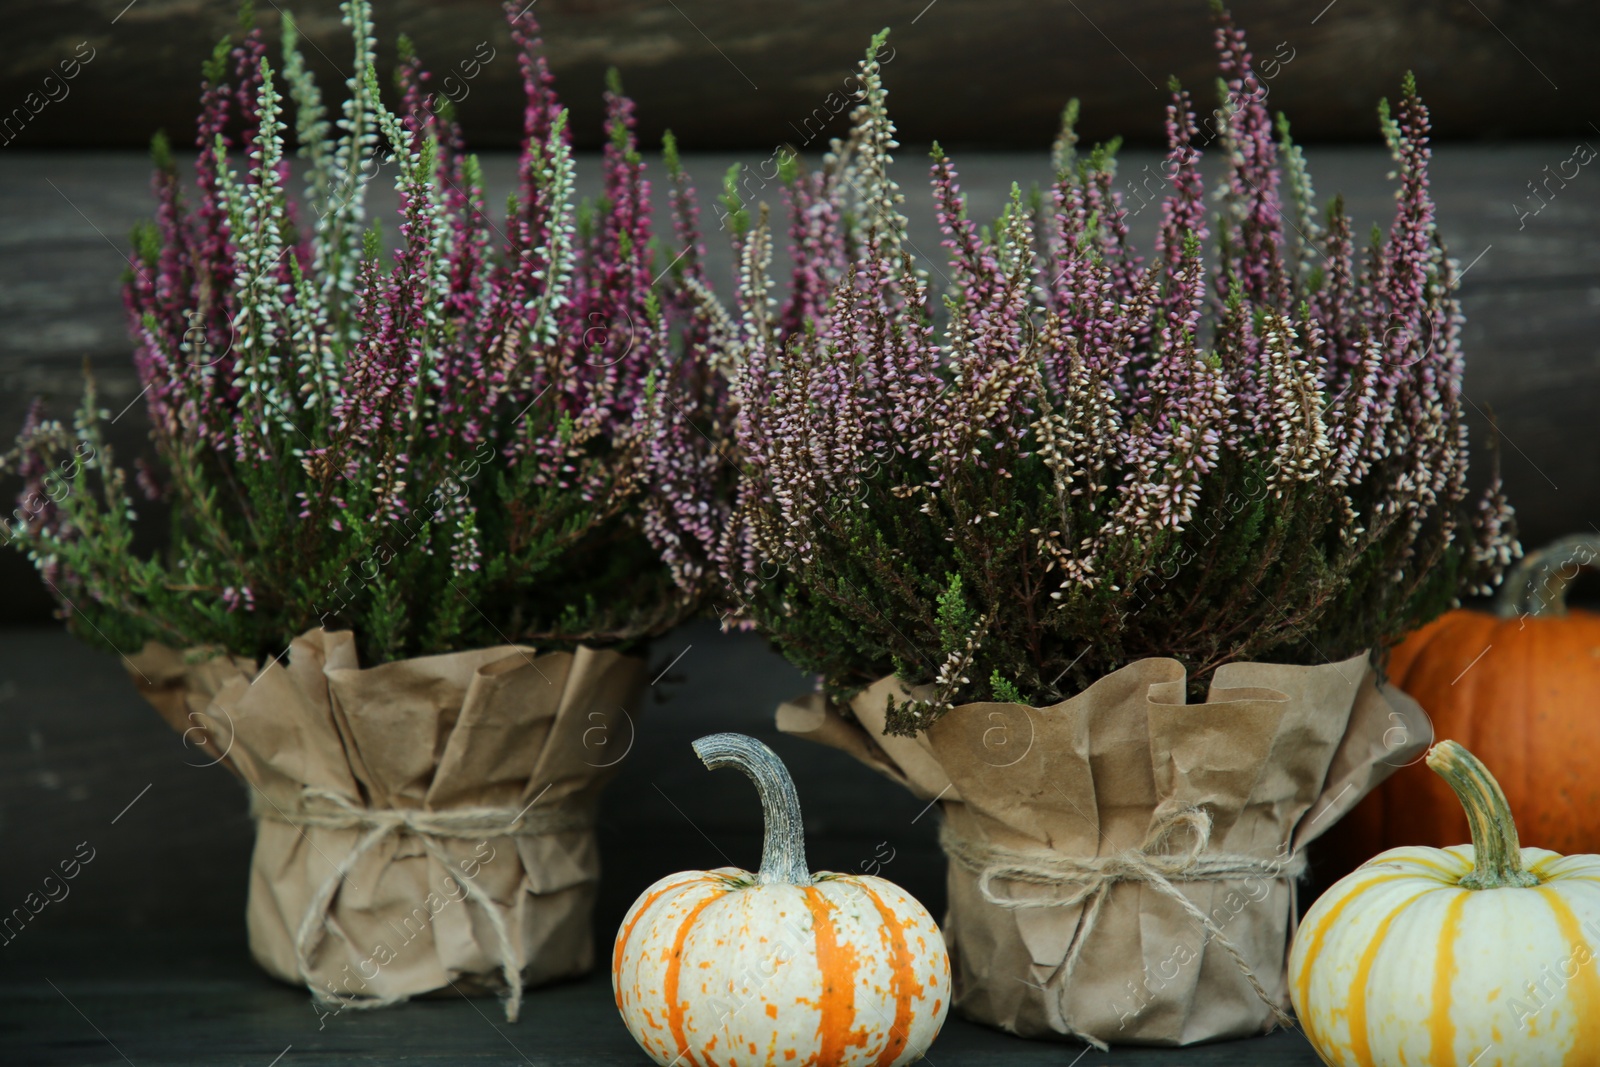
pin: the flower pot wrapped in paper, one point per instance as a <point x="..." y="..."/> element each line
<point x="1124" y="863"/>
<point x="462" y="472"/>
<point x="421" y="824"/>
<point x="1094" y="550"/>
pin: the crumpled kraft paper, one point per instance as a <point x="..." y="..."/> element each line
<point x="1275" y="755"/>
<point x="499" y="728"/>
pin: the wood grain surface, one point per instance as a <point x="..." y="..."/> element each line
<point x="144" y="957"/>
<point x="191" y="999"/>
<point x="733" y="74"/>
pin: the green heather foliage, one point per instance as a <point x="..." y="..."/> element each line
<point x="482" y="436"/>
<point x="1010" y="474"/>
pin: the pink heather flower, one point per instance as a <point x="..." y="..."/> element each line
<point x="240" y="599"/>
<point x="523" y="401"/>
<point x="1140" y="388"/>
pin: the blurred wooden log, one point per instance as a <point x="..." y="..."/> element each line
<point x="730" y="73"/>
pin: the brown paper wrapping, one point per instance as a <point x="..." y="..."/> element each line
<point x="491" y="731"/>
<point x="1275" y="756"/>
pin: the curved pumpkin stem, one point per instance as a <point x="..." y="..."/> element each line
<point x="1497" y="854"/>
<point x="783" y="852"/>
<point x="1537" y="585"/>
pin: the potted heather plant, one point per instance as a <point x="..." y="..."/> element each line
<point x="1096" y="550"/>
<point x="426" y="507"/>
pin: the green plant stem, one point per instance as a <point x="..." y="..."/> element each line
<point x="1537" y="585"/>
<point x="1497" y="854"/>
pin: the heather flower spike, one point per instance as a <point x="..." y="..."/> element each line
<point x="1064" y="457"/>
<point x="480" y="431"/>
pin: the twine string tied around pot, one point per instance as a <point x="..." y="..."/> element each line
<point x="1088" y="880"/>
<point x="330" y="810"/>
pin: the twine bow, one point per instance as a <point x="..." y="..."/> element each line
<point x="1089" y="880"/>
<point x="329" y="810"/>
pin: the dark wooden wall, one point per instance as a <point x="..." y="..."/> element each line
<point x="745" y="73"/>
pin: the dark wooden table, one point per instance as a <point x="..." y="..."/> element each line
<point x="144" y="962"/>
<point x="161" y="999"/>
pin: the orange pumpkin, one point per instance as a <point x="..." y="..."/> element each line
<point x="783" y="966"/>
<point x="1522" y="684"/>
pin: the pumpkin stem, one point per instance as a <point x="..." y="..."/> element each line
<point x="783" y="852"/>
<point x="1497" y="854"/>
<point x="1537" y="585"/>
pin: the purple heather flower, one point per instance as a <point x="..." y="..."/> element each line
<point x="1133" y="384"/>
<point x="521" y="386"/>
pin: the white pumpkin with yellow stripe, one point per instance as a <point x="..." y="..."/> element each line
<point x="1481" y="955"/>
<point x="725" y="968"/>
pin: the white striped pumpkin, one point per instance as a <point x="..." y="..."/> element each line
<point x="725" y="968"/>
<point x="1485" y="955"/>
